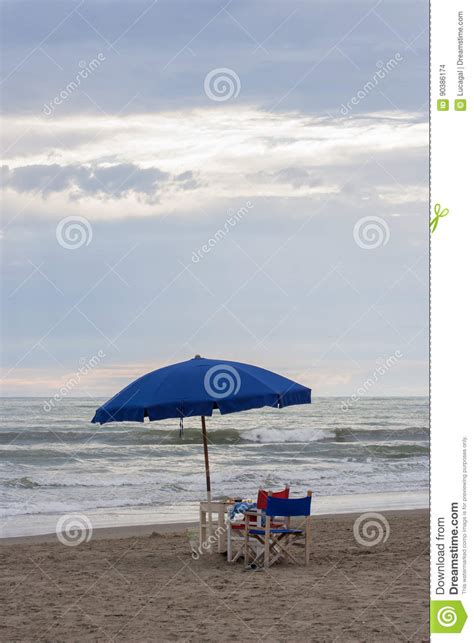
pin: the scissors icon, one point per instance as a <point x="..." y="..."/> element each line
<point x="438" y="214"/>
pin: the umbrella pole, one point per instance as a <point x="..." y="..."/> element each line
<point x="208" y="475"/>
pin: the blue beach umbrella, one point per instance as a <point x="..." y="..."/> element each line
<point x="198" y="387"/>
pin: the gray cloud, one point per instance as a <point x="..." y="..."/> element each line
<point x="103" y="182"/>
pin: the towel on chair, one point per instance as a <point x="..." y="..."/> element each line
<point x="241" y="508"/>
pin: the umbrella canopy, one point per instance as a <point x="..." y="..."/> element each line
<point x="197" y="387"/>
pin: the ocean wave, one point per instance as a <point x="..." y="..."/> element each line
<point x="21" y="483"/>
<point x="409" y="432"/>
<point x="272" y="435"/>
<point x="84" y="481"/>
<point x="144" y="436"/>
<point x="59" y="507"/>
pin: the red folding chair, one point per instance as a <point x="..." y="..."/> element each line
<point x="262" y="498"/>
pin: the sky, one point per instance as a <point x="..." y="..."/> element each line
<point x="241" y="180"/>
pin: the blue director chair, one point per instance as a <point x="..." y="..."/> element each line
<point x="279" y="542"/>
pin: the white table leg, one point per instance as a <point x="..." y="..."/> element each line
<point x="229" y="539"/>
<point x="221" y="530"/>
<point x="203" y="527"/>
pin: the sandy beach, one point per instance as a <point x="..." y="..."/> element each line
<point x="142" y="584"/>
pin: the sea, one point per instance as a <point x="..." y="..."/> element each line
<point x="368" y="455"/>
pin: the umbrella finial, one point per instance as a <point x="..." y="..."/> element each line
<point x="197" y="357"/>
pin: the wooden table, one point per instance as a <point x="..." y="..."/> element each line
<point x="212" y="534"/>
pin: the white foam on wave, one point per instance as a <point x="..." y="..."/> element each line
<point x="267" y="435"/>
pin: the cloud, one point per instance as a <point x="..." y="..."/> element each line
<point x="102" y="182"/>
<point x="298" y="177"/>
<point x="167" y="162"/>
